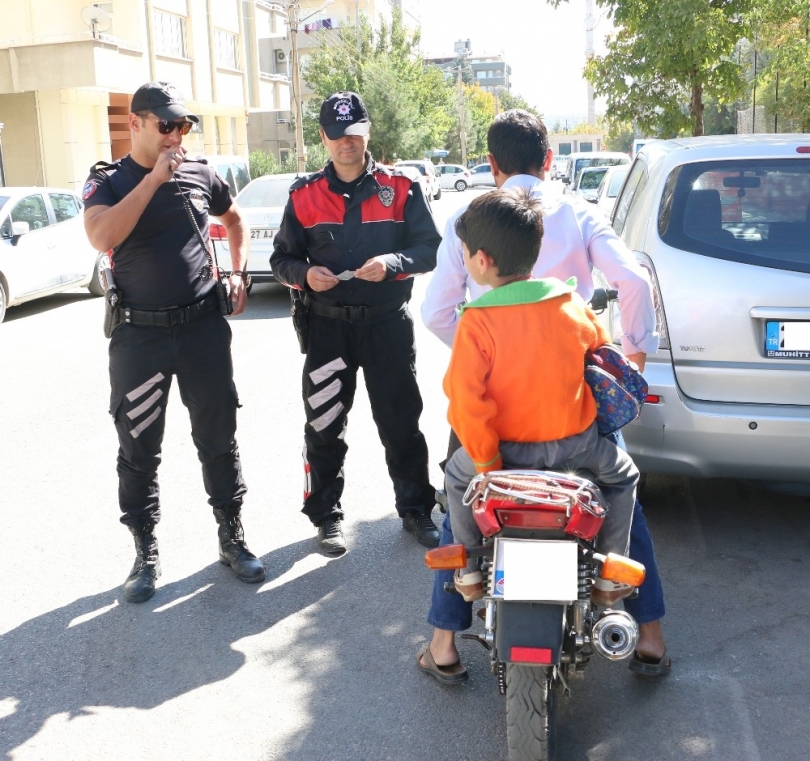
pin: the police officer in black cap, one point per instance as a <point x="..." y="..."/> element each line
<point x="150" y="210"/>
<point x="352" y="237"/>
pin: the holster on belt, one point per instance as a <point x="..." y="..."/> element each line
<point x="300" y="318"/>
<point x="112" y="318"/>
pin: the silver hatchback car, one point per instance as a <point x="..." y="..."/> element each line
<point x="722" y="224"/>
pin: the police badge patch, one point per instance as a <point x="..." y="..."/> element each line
<point x="386" y="195"/>
<point x="197" y="200"/>
<point x="89" y="189"/>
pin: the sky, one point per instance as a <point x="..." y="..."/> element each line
<point x="544" y="46"/>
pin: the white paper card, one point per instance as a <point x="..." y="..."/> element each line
<point x="345" y="275"/>
<point x="538" y="570"/>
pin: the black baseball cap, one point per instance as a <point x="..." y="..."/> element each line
<point x="162" y="99"/>
<point x="343" y="113"/>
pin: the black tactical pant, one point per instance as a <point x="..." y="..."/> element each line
<point x="142" y="363"/>
<point x="384" y="348"/>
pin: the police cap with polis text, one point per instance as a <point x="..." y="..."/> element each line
<point x="343" y="113"/>
<point x="163" y="100"/>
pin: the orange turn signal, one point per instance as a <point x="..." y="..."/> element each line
<point x="446" y="558"/>
<point x="622" y="570"/>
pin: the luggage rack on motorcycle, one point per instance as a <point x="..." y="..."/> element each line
<point x="498" y="495"/>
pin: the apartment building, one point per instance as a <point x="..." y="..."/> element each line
<point x="68" y="69"/>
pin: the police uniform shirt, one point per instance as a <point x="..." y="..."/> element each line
<point x="158" y="265"/>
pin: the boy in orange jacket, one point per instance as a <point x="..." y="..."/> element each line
<point x="517" y="390"/>
<point x="516" y="384"/>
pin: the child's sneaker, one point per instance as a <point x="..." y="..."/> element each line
<point x="469" y="585"/>
<point x="607" y="593"/>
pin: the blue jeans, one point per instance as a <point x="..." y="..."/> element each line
<point x="448" y="611"/>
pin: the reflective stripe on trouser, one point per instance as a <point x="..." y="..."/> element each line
<point x="384" y="349"/>
<point x="143" y="361"/>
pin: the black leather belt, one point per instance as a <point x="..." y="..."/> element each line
<point x="352" y="313"/>
<point x="166" y="318"/>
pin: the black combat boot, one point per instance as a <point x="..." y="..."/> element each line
<point x="232" y="548"/>
<point x="140" y="584"/>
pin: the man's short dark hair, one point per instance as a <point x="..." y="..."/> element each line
<point x="518" y="141"/>
<point x="508" y="225"/>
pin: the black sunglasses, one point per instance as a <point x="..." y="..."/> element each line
<point x="166" y="127"/>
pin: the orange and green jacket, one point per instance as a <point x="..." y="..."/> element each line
<point x="517" y="368"/>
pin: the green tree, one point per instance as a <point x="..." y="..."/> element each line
<point x="665" y="59"/>
<point x="619" y="136"/>
<point x="782" y="32"/>
<point x="508" y="101"/>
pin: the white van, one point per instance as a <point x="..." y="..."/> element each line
<point x="233" y="169"/>
<point x="578" y="161"/>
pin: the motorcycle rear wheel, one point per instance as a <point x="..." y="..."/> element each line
<point x="531" y="703"/>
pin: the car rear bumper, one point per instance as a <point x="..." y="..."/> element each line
<point x="684" y="436"/>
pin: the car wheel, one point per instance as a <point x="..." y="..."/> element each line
<point x="94" y="286"/>
<point x="460" y="186"/>
<point x="3" y="301"/>
<point x="438" y="194"/>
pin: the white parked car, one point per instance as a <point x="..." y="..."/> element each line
<point x="43" y="246"/>
<point x="453" y="177"/>
<point x="576" y="162"/>
<point x="482" y="175"/>
<point x="428" y="171"/>
<point x="610" y="187"/>
<point x="557" y="166"/>
<point x="587" y="182"/>
<point x="418" y="177"/>
<point x="262" y="201"/>
<point x="722" y="225"/>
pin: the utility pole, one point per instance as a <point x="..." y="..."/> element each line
<point x="2" y="166"/>
<point x="461" y="114"/>
<point x="300" y="148"/>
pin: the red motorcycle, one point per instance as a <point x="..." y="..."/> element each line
<point x="539" y="566"/>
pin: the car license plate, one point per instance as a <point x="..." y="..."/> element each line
<point x="535" y="570"/>
<point x="787" y="339"/>
<point x="261" y="233"/>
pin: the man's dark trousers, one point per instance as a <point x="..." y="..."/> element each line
<point x="384" y="348"/>
<point x="142" y="363"/>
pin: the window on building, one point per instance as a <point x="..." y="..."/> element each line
<point x="564" y="149"/>
<point x="226" y="45"/>
<point x="585" y="146"/>
<point x="170" y="34"/>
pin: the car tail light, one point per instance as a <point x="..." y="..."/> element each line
<point x="803" y="149"/>
<point x="217" y="231"/>
<point x="652" y="399"/>
<point x="660" y="317"/>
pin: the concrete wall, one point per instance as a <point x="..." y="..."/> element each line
<point x="22" y="157"/>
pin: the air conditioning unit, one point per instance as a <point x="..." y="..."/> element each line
<point x="281" y="56"/>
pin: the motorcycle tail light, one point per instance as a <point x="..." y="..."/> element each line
<point x="217" y="231"/>
<point x="530" y="518"/>
<point x="446" y="558"/>
<point x="531" y="655"/>
<point x="622" y="570"/>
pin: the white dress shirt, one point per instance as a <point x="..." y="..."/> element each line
<point x="576" y="238"/>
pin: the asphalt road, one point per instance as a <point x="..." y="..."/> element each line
<point x="317" y="663"/>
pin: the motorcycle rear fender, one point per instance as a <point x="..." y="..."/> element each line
<point x="524" y="630"/>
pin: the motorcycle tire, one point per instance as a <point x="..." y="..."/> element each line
<point x="531" y="707"/>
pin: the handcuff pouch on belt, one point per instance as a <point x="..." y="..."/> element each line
<point x="112" y="317"/>
<point x="300" y="318"/>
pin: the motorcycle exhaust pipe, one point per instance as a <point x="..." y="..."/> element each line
<point x="615" y="635"/>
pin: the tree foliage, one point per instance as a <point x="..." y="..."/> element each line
<point x="782" y="33"/>
<point x="507" y="101"/>
<point x="665" y="59"/>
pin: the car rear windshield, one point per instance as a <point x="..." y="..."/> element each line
<point x="265" y="193"/>
<point x="591" y="180"/>
<point x="754" y="211"/>
<point x="420" y="167"/>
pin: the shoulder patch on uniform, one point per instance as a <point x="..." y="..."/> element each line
<point x="89" y="188"/>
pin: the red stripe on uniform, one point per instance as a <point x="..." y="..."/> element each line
<point x="315" y="204"/>
<point x="374" y="210"/>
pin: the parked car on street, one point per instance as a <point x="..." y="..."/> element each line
<point x="610" y="186"/>
<point x="262" y="201"/>
<point x="557" y="166"/>
<point x="233" y="169"/>
<point x="43" y="246"/>
<point x="576" y="162"/>
<point x="428" y="171"/>
<point x="453" y="176"/>
<point x="722" y="225"/>
<point x="482" y="175"/>
<point x="586" y="183"/>
<point x="418" y="177"/>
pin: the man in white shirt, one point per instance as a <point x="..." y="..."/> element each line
<point x="577" y="238"/>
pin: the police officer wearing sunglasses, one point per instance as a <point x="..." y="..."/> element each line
<point x="144" y="209"/>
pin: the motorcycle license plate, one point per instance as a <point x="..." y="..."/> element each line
<point x="789" y="340"/>
<point x="532" y="570"/>
<point x="261" y="233"/>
